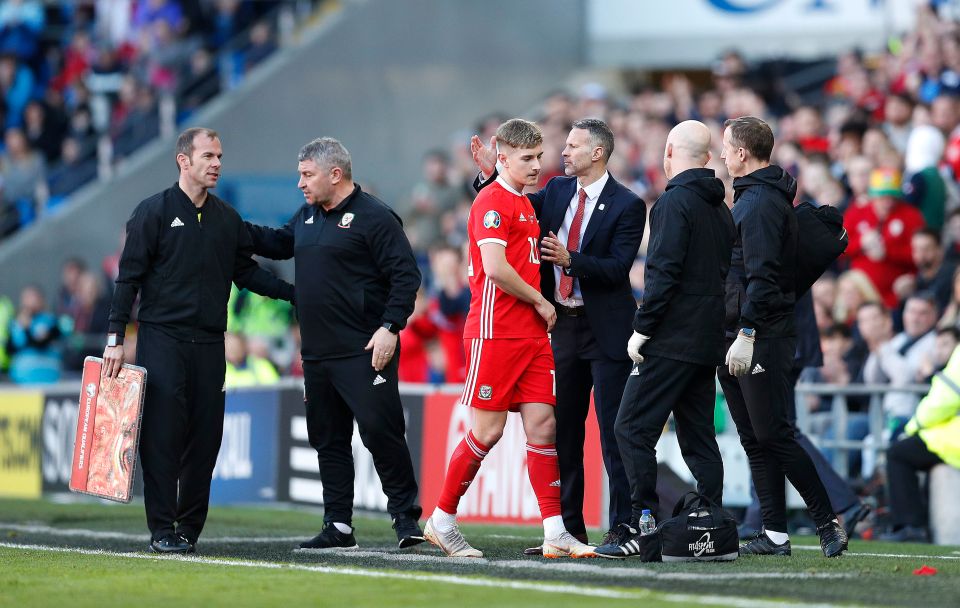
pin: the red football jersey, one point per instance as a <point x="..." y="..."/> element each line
<point x="502" y="215"/>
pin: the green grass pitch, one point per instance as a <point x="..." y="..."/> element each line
<point x="91" y="554"/>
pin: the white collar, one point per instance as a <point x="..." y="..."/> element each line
<point x="507" y="186"/>
<point x="594" y="189"/>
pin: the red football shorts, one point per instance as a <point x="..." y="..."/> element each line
<point x="502" y="373"/>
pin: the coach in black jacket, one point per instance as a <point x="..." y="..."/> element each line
<point x="587" y="280"/>
<point x="184" y="247"/>
<point x="678" y="329"/>
<point x="761" y="297"/>
<point x="357" y="282"/>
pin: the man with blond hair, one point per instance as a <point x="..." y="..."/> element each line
<point x="591" y="226"/>
<point x="508" y="322"/>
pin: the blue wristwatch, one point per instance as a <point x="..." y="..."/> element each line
<point x="748" y="332"/>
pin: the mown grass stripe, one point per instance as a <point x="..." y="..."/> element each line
<point x="581" y="590"/>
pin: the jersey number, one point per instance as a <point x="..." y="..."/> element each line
<point x="534" y="251"/>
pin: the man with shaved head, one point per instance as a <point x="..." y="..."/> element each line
<point x="679" y="329"/>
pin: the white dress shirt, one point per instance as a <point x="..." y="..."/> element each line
<point x="593" y="193"/>
<point x="888" y="366"/>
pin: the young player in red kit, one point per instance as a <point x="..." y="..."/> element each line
<point x="509" y="361"/>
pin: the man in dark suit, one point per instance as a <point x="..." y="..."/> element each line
<point x="679" y="329"/>
<point x="591" y="227"/>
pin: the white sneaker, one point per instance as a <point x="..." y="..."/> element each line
<point x="450" y="542"/>
<point x="566" y="545"/>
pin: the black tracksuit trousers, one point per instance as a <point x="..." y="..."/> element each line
<point x="760" y="406"/>
<point x="581" y="367"/>
<point x="181" y="429"/>
<point x="908" y="502"/>
<point x="338" y="391"/>
<point x="842" y="496"/>
<point x="655" y="388"/>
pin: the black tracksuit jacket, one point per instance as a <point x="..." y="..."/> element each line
<point x="182" y="267"/>
<point x="760" y="289"/>
<point x="691" y="240"/>
<point x="355" y="271"/>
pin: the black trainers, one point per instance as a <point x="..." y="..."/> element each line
<point x="170" y="544"/>
<point x="833" y="540"/>
<point x="191" y="546"/>
<point x="408" y="531"/>
<point x="611" y="536"/>
<point x="624" y="541"/>
<point x="761" y="544"/>
<point x="330" y="538"/>
<point x="746" y="532"/>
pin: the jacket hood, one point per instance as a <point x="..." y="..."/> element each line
<point x="772" y="176"/>
<point x="703" y="182"/>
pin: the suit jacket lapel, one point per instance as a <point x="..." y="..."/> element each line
<point x="559" y="209"/>
<point x="600" y="211"/>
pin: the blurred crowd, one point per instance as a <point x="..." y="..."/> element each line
<point x="879" y="140"/>
<point x="78" y="76"/>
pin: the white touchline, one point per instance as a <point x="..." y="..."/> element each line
<point x="105" y="534"/>
<point x="396" y="556"/>
<point x="896" y="555"/>
<point x="737" y="602"/>
<point x="584" y="568"/>
<point x="457" y="580"/>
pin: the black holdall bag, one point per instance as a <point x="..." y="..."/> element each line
<point x="821" y="240"/>
<point x="699" y="531"/>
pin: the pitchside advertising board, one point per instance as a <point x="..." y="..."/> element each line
<point x="20" y="415"/>
<point x="246" y="468"/>
<point x="299" y="477"/>
<point x="266" y="456"/>
<point x="501" y="492"/>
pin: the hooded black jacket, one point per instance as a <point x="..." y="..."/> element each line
<point x="691" y="240"/>
<point x="760" y="286"/>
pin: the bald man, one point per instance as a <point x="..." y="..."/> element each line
<point x="678" y="339"/>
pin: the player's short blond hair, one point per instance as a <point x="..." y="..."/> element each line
<point x="519" y="133"/>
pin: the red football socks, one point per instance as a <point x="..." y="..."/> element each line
<point x="463" y="467"/>
<point x="544" y="474"/>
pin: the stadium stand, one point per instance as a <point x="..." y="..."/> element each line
<point x="85" y="84"/>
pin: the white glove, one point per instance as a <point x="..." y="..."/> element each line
<point x="740" y="355"/>
<point x="634" y="344"/>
